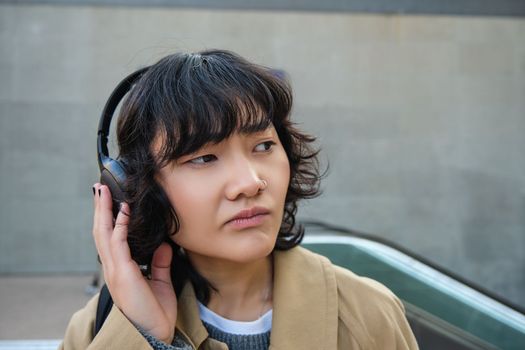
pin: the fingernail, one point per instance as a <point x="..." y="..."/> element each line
<point x="93" y="188"/>
<point x="123" y="208"/>
<point x="99" y="192"/>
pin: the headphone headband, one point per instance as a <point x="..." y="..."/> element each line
<point x="107" y="114"/>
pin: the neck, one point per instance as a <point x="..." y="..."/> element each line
<point x="244" y="291"/>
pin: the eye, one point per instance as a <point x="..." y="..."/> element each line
<point x="264" y="146"/>
<point x="203" y="159"/>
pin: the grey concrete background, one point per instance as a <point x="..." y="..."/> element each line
<point x="421" y="118"/>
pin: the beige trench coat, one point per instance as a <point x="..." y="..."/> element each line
<point x="316" y="305"/>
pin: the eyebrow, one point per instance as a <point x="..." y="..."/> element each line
<point x="268" y="129"/>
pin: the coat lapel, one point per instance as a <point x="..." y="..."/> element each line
<point x="305" y="306"/>
<point x="188" y="319"/>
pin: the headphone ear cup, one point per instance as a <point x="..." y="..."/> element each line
<point x="113" y="175"/>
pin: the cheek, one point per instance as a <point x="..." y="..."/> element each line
<point x="281" y="175"/>
<point x="190" y="199"/>
<point x="189" y="202"/>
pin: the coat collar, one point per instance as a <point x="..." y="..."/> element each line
<point x="304" y="302"/>
<point x="305" y="305"/>
<point x="188" y="319"/>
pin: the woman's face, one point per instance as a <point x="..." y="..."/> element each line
<point x="245" y="175"/>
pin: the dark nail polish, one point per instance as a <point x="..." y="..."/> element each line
<point x="93" y="188"/>
<point x="99" y="192"/>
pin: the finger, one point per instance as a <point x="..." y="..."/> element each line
<point x="161" y="283"/>
<point x="95" y="202"/>
<point x="101" y="233"/>
<point x="119" y="240"/>
<point x="161" y="263"/>
<point x="94" y="193"/>
<point x="105" y="208"/>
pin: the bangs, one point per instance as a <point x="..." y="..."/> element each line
<point x="195" y="99"/>
<point x="209" y="124"/>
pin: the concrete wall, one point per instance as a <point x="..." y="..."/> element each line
<point x="421" y="118"/>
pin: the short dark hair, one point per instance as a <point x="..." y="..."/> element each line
<point x="191" y="99"/>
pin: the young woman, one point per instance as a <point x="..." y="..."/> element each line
<point x="214" y="171"/>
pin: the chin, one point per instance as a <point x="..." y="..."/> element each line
<point x="251" y="250"/>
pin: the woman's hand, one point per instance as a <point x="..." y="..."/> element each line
<point x="148" y="304"/>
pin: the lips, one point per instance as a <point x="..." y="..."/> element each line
<point x="248" y="213"/>
<point x="248" y="217"/>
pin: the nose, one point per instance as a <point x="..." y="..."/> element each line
<point x="244" y="180"/>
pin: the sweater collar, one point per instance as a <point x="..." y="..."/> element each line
<point x="304" y="303"/>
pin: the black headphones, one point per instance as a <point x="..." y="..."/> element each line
<point x="112" y="171"/>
